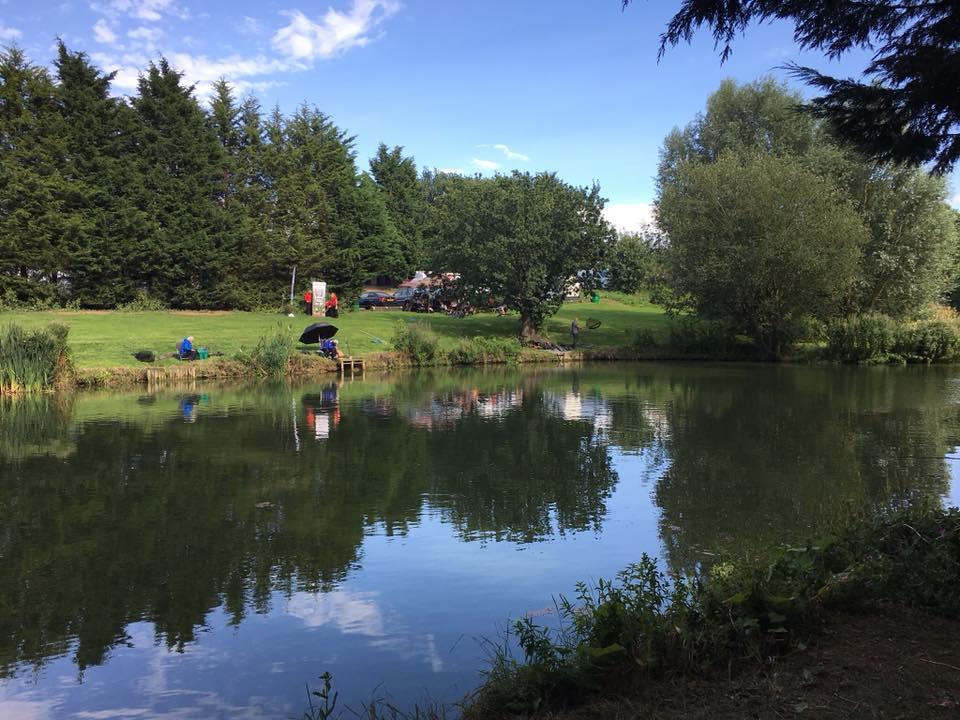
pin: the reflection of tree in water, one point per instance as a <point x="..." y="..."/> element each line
<point x="35" y="424"/>
<point x="522" y="478"/>
<point x="753" y="461"/>
<point x="165" y="522"/>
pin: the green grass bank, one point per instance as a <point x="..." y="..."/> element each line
<point x="102" y="343"/>
<point x="107" y="339"/>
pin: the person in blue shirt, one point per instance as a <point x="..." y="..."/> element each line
<point x="330" y="348"/>
<point x="185" y="349"/>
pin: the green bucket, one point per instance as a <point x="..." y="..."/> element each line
<point x="203" y="353"/>
<point x="595" y="298"/>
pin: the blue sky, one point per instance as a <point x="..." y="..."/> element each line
<point x="571" y="86"/>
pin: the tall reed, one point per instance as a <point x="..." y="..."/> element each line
<point x="271" y="356"/>
<point x="32" y="361"/>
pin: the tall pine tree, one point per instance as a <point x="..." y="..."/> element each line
<point x="396" y="177"/>
<point x="32" y="188"/>
<point x="103" y="223"/>
<point x="185" y="185"/>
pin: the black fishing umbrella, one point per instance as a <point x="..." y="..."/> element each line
<point x="317" y="332"/>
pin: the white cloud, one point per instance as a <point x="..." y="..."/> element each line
<point x="244" y="87"/>
<point x="955" y="201"/>
<point x="9" y="33"/>
<point x="150" y="35"/>
<point x="511" y="155"/>
<point x="484" y="164"/>
<point x="250" y="26"/>
<point x="336" y="32"/>
<point x="126" y="78"/>
<point x="201" y="71"/>
<point x="299" y="43"/>
<point x="629" y="217"/>
<point x="149" y="10"/>
<point x="451" y="171"/>
<point x="102" y="32"/>
<point x="198" y="70"/>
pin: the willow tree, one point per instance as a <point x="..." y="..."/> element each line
<point x="761" y="243"/>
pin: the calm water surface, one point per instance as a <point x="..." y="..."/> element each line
<point x="205" y="553"/>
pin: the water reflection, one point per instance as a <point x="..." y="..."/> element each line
<point x="187" y="513"/>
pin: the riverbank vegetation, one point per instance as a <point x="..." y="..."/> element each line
<point x="32" y="360"/>
<point x="875" y="339"/>
<point x="615" y="636"/>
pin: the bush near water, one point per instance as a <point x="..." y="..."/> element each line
<point x="32" y="360"/>
<point x="878" y="339"/>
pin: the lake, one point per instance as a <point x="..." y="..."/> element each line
<point x="207" y="552"/>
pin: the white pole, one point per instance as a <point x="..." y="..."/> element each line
<point x="293" y="282"/>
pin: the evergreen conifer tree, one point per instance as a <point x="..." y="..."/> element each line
<point x="396" y="178"/>
<point x="185" y="188"/>
<point x="32" y="188"/>
<point x="104" y="227"/>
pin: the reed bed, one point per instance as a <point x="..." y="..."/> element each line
<point x="34" y="360"/>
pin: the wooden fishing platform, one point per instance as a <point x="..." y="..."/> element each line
<point x="349" y="365"/>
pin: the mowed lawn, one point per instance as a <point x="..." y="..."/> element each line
<point x="109" y="339"/>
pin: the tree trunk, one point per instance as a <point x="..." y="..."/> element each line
<point x="528" y="328"/>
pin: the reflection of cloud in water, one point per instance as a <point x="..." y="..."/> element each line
<point x="141" y="635"/>
<point x="419" y="649"/>
<point x="349" y="612"/>
<point x="27" y="709"/>
<point x="952" y="498"/>
<point x="358" y="613"/>
<point x="164" y="700"/>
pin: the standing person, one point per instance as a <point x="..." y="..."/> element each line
<point x="575" y="330"/>
<point x="308" y="302"/>
<point x="332" y="306"/>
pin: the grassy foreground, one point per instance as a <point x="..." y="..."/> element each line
<point x="108" y="339"/>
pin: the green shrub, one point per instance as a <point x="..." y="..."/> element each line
<point x="861" y="338"/>
<point x="703" y="337"/>
<point x="929" y="341"/>
<point x="9" y="300"/>
<point x="34" y="360"/>
<point x="417" y="342"/>
<point x="143" y="302"/>
<point x="481" y="350"/>
<point x="644" y="339"/>
<point x="271" y="356"/>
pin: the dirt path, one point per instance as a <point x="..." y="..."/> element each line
<point x="895" y="664"/>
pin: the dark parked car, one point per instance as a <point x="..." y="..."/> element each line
<point x="374" y="299"/>
<point x="403" y="296"/>
<point x="423" y="300"/>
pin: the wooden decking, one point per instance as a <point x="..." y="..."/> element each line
<point x="349" y="365"/>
